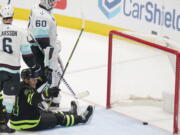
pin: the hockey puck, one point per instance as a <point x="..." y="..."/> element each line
<point x="145" y="123"/>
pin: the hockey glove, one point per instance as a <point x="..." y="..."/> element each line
<point x="51" y="92"/>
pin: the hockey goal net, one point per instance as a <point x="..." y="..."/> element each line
<point x="143" y="78"/>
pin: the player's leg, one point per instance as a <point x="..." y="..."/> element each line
<point x="2" y="107"/>
<point x="5" y="83"/>
<point x="48" y="120"/>
<point x="11" y="88"/>
<point x="3" y="111"/>
<point x="74" y="119"/>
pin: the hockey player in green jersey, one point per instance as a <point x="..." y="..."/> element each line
<point x="26" y="114"/>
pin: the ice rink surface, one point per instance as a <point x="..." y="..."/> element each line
<point x="88" y="71"/>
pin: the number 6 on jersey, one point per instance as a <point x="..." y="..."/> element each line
<point x="6" y="46"/>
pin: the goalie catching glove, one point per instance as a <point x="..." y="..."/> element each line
<point x="51" y="92"/>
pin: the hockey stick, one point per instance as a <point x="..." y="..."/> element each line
<point x="85" y="93"/>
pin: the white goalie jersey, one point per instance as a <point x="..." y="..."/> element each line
<point x="13" y="42"/>
<point x="43" y="25"/>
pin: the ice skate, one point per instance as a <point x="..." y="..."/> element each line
<point x="87" y="114"/>
<point x="73" y="108"/>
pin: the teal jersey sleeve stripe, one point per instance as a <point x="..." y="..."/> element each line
<point x="40" y="33"/>
<point x="9" y="70"/>
<point x="26" y="49"/>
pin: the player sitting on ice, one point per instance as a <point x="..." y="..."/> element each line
<point x="42" y="25"/>
<point x="26" y="114"/>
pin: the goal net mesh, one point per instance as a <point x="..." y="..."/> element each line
<point x="142" y="77"/>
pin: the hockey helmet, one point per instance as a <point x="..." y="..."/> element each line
<point x="7" y="11"/>
<point x="28" y="73"/>
<point x="47" y="4"/>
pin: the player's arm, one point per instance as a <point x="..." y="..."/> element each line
<point x="32" y="97"/>
<point x="27" y="56"/>
<point x="26" y="51"/>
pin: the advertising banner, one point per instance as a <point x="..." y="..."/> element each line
<point x="147" y="16"/>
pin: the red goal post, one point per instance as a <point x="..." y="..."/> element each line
<point x="154" y="45"/>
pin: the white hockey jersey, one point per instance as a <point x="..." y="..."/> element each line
<point x="42" y="24"/>
<point x="13" y="42"/>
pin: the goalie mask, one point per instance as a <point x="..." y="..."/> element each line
<point x="48" y="4"/>
<point x="7" y="11"/>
